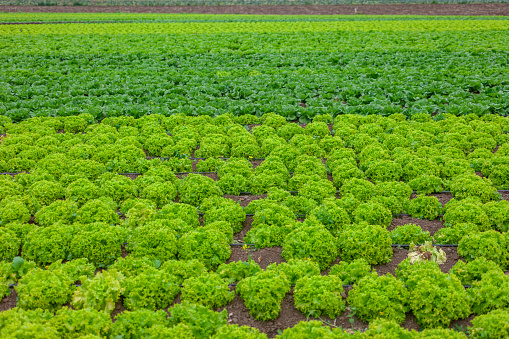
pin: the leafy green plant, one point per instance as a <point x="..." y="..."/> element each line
<point x="498" y="214"/>
<point x="46" y="192"/>
<point x="100" y="243"/>
<point x="299" y="204"/>
<point x="313" y="242"/>
<point x="499" y="175"/>
<point x="150" y="289"/>
<point x="209" y="246"/>
<point x="491" y="245"/>
<point x="453" y="234"/>
<point x="118" y="187"/>
<point x="307" y="165"/>
<point x="81" y="191"/>
<point x="49" y="244"/>
<point x="473" y="270"/>
<point x="163" y="332"/>
<point x="208" y="289"/>
<point x="489" y="293"/>
<point x="222" y="227"/>
<point x="436" y="298"/>
<point x="329" y="214"/>
<point x="409" y="233"/>
<point x="384" y="170"/>
<point x="264" y="235"/>
<point x="129" y="203"/>
<point x="235" y="271"/>
<point x="494" y="325"/>
<point x="233" y="184"/>
<point x="370" y="242"/>
<point x="312" y="329"/>
<point x="229" y="211"/>
<point x="425" y="207"/>
<point x="185" y="212"/>
<point x="155" y="143"/>
<point x="10" y="244"/>
<point x="426" y="184"/>
<point x="44" y="289"/>
<point x="203" y="321"/>
<point x="13" y="210"/>
<point x="388" y="298"/>
<point x="235" y="331"/>
<point x="194" y="188"/>
<point x="135" y="324"/>
<point x="263" y="293"/>
<point x="471" y="185"/>
<point x="466" y="211"/>
<point x="419" y="167"/>
<point x="97" y="210"/>
<point x="100" y="292"/>
<point x="131" y="266"/>
<point x="60" y="210"/>
<point x="343" y="171"/>
<point x="153" y="241"/>
<point x="431" y="333"/>
<point x="382" y="328"/>
<point x="351" y="273"/>
<point x="74" y="269"/>
<point x="184" y="269"/>
<point x="295" y="269"/>
<point x="160" y="193"/>
<point x="363" y="190"/>
<point x="426" y="252"/>
<point x="271" y="213"/>
<point x="317" y="295"/>
<point x="140" y="214"/>
<point x="80" y="323"/>
<point x="209" y="165"/>
<point x="318" y="190"/>
<point x="373" y="213"/>
<point x="263" y="182"/>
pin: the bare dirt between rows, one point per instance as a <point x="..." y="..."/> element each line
<point x="387" y="9"/>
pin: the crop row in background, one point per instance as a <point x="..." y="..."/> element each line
<point x="253" y="65"/>
<point x="222" y="2"/>
<point x="63" y="240"/>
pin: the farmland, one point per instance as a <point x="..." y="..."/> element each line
<point x="171" y="176"/>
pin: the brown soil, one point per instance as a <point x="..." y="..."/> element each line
<point x="238" y="313"/>
<point x="124" y="252"/>
<point x="247" y="226"/>
<point x="244" y="200"/>
<point x="389" y="9"/>
<point x="427" y="225"/>
<point x="442" y="197"/>
<point x="9" y="302"/>
<point x="263" y="256"/>
<point x="401" y="254"/>
<point x="119" y="308"/>
<point x="213" y="176"/>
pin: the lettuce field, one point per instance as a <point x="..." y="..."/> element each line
<point x="242" y="176"/>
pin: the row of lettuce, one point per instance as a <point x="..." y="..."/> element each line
<point x="146" y="286"/>
<point x="190" y="321"/>
<point x="299" y="75"/>
<point x="252" y="27"/>
<point x="425" y="153"/>
<point x="90" y="227"/>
